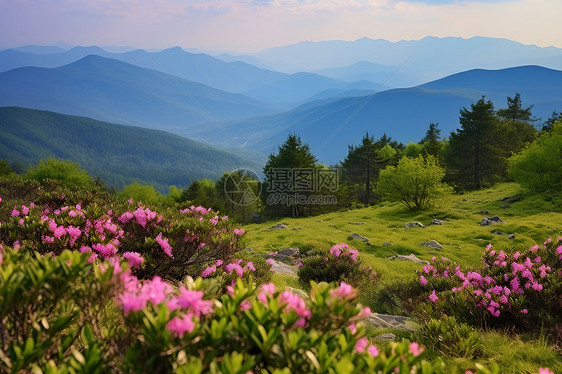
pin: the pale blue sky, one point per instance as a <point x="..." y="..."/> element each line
<point x="253" y="25"/>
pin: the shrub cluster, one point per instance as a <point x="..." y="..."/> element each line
<point x="341" y="263"/>
<point x="519" y="289"/>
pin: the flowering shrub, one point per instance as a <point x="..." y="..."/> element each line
<point x="341" y="263"/>
<point x="172" y="244"/>
<point x="279" y="332"/>
<point x="523" y="289"/>
<point x="250" y="269"/>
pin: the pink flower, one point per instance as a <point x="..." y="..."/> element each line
<point x="423" y="281"/>
<point x="193" y="300"/>
<point x="294" y="302"/>
<point x="130" y="201"/>
<point x="373" y="350"/>
<point x="545" y="371"/>
<point x="524" y="311"/>
<point x="21" y="222"/>
<point x="132" y="302"/>
<point x="239" y="232"/>
<point x="416" y="349"/>
<point x="244" y="305"/>
<point x="353" y="253"/>
<point x="361" y="344"/>
<point x="344" y="292"/>
<point x="268" y="289"/>
<point x="364" y="313"/>
<point x="24" y="210"/>
<point x="300" y="264"/>
<point x="166" y="247"/>
<point x="335" y="251"/>
<point x="125" y="217"/>
<point x="270" y="261"/>
<point x="352" y="328"/>
<point x="134" y="258"/>
<point x="208" y="271"/>
<point x="59" y="232"/>
<point x="181" y="324"/>
<point x="433" y="297"/>
<point x="15" y="213"/>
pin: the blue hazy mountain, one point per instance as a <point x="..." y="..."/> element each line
<point x="404" y="114"/>
<point x="301" y="87"/>
<point x="422" y="60"/>
<point x="364" y="70"/>
<point x="118" y="154"/>
<point x="114" y="91"/>
<point x="198" y="67"/>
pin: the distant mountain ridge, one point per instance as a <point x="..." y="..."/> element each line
<point x="118" y="92"/>
<point x="118" y="154"/>
<point x="404" y="114"/>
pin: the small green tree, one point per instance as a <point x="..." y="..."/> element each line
<point x="539" y="166"/>
<point x="414" y="182"/>
<point x="68" y="172"/>
<point x="515" y="111"/>
<point x="139" y="192"/>
<point x="431" y="142"/>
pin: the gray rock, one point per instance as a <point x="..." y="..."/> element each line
<point x="511" y="236"/>
<point x="356" y="223"/>
<point x="484" y="212"/>
<point x="289" y="252"/>
<point x="432" y="244"/>
<point x="356" y="236"/>
<point x="384" y="321"/>
<point x="388" y="337"/>
<point x="436" y="222"/>
<point x="498" y="233"/>
<point x="332" y="225"/>
<point x="256" y="218"/>
<point x="511" y="199"/>
<point x="281" y="268"/>
<point x="485" y="222"/>
<point x="309" y="252"/>
<point x="410" y="225"/>
<point x="387" y="244"/>
<point x="495" y="219"/>
<point x="410" y="257"/>
<point x="279" y="226"/>
<point x="503" y="206"/>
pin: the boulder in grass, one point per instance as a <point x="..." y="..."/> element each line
<point x="436" y="222"/>
<point x="432" y="244"/>
<point x="411" y="225"/>
<point x="410" y="257"/>
<point x="356" y="236"/>
<point x="356" y="223"/>
<point x="289" y="252"/>
<point x="279" y="226"/>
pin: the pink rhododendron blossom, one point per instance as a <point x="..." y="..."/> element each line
<point x="545" y="371"/>
<point x="181" y="324"/>
<point x="132" y="302"/>
<point x="433" y="297"/>
<point x="166" y="247"/>
<point x="267" y="289"/>
<point x="352" y="328"/>
<point x="344" y="291"/>
<point x="125" y="217"/>
<point x="134" y="258"/>
<point x="244" y="305"/>
<point x="59" y="232"/>
<point x="15" y="213"/>
<point x="208" y="271"/>
<point x="373" y="350"/>
<point x="361" y="344"/>
<point x="294" y="302"/>
<point x="335" y="251"/>
<point x="423" y="281"/>
<point x="365" y="312"/>
<point x="239" y="232"/>
<point x="270" y="261"/>
<point x="415" y="349"/>
<point x="192" y="300"/>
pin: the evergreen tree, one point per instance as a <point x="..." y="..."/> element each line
<point x="431" y="142"/>
<point x="472" y="157"/>
<point x="283" y="171"/>
<point x="515" y="111"/>
<point x="364" y="162"/>
<point x="549" y="123"/>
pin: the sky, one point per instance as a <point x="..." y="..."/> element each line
<point x="248" y="26"/>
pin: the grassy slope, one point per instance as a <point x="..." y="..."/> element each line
<point x="532" y="220"/>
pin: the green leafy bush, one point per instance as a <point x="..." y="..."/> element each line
<point x="341" y="264"/>
<point x="414" y="181"/>
<point x="52" y="308"/>
<point x="539" y="166"/>
<point x="449" y="337"/>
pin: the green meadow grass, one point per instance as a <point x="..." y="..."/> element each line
<point x="532" y="219"/>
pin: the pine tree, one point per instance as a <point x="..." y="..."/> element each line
<point x="515" y="111"/>
<point x="293" y="157"/>
<point x="472" y="158"/>
<point x="431" y="142"/>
